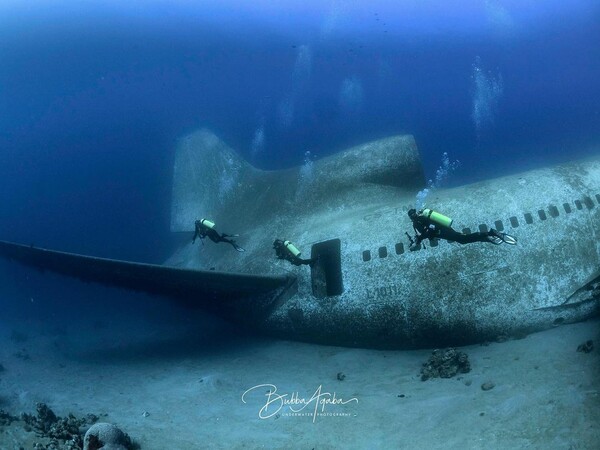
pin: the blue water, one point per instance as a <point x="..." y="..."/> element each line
<point x="93" y="98"/>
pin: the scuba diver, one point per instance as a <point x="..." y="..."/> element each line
<point x="429" y="224"/>
<point x="288" y="251"/>
<point x="206" y="228"/>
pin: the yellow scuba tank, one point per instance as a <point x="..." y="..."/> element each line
<point x="207" y="223"/>
<point x="437" y="218"/>
<point x="291" y="248"/>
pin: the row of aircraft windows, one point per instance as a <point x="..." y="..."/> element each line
<point x="553" y="211"/>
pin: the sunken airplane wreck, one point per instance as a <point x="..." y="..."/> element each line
<point x="366" y="288"/>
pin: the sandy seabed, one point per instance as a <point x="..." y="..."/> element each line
<point x="201" y="386"/>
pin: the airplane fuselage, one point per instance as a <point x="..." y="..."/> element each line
<point x="349" y="211"/>
<point x="368" y="289"/>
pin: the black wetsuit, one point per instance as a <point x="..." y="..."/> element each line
<point x="203" y="231"/>
<point x="427" y="229"/>
<point x="283" y="253"/>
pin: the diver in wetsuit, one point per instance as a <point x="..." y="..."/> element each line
<point x="288" y="251"/>
<point x="206" y="228"/>
<point x="429" y="224"/>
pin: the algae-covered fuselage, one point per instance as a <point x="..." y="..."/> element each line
<point x="367" y="289"/>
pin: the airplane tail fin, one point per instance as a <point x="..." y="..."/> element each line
<point x="206" y="176"/>
<point x="211" y="180"/>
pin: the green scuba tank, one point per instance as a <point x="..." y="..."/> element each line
<point x="437" y="218"/>
<point x="291" y="248"/>
<point x="207" y="223"/>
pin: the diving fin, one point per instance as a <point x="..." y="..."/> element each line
<point x="507" y="238"/>
<point x="497" y="238"/>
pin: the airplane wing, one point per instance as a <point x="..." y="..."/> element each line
<point x="223" y="293"/>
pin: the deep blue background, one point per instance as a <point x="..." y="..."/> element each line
<point x="93" y="99"/>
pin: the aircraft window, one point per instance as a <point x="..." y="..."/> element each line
<point x="567" y="207"/>
<point x="528" y="218"/>
<point x="326" y="273"/>
<point x="483" y="228"/>
<point x="514" y="222"/>
<point x="542" y="214"/>
<point x="367" y="255"/>
<point x="382" y="252"/>
<point x="588" y="202"/>
<point x="578" y="204"/>
<point x="399" y="248"/>
<point x="553" y="211"/>
<point x="499" y="225"/>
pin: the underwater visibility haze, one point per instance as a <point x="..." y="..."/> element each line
<point x="95" y="95"/>
<point x="322" y="122"/>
